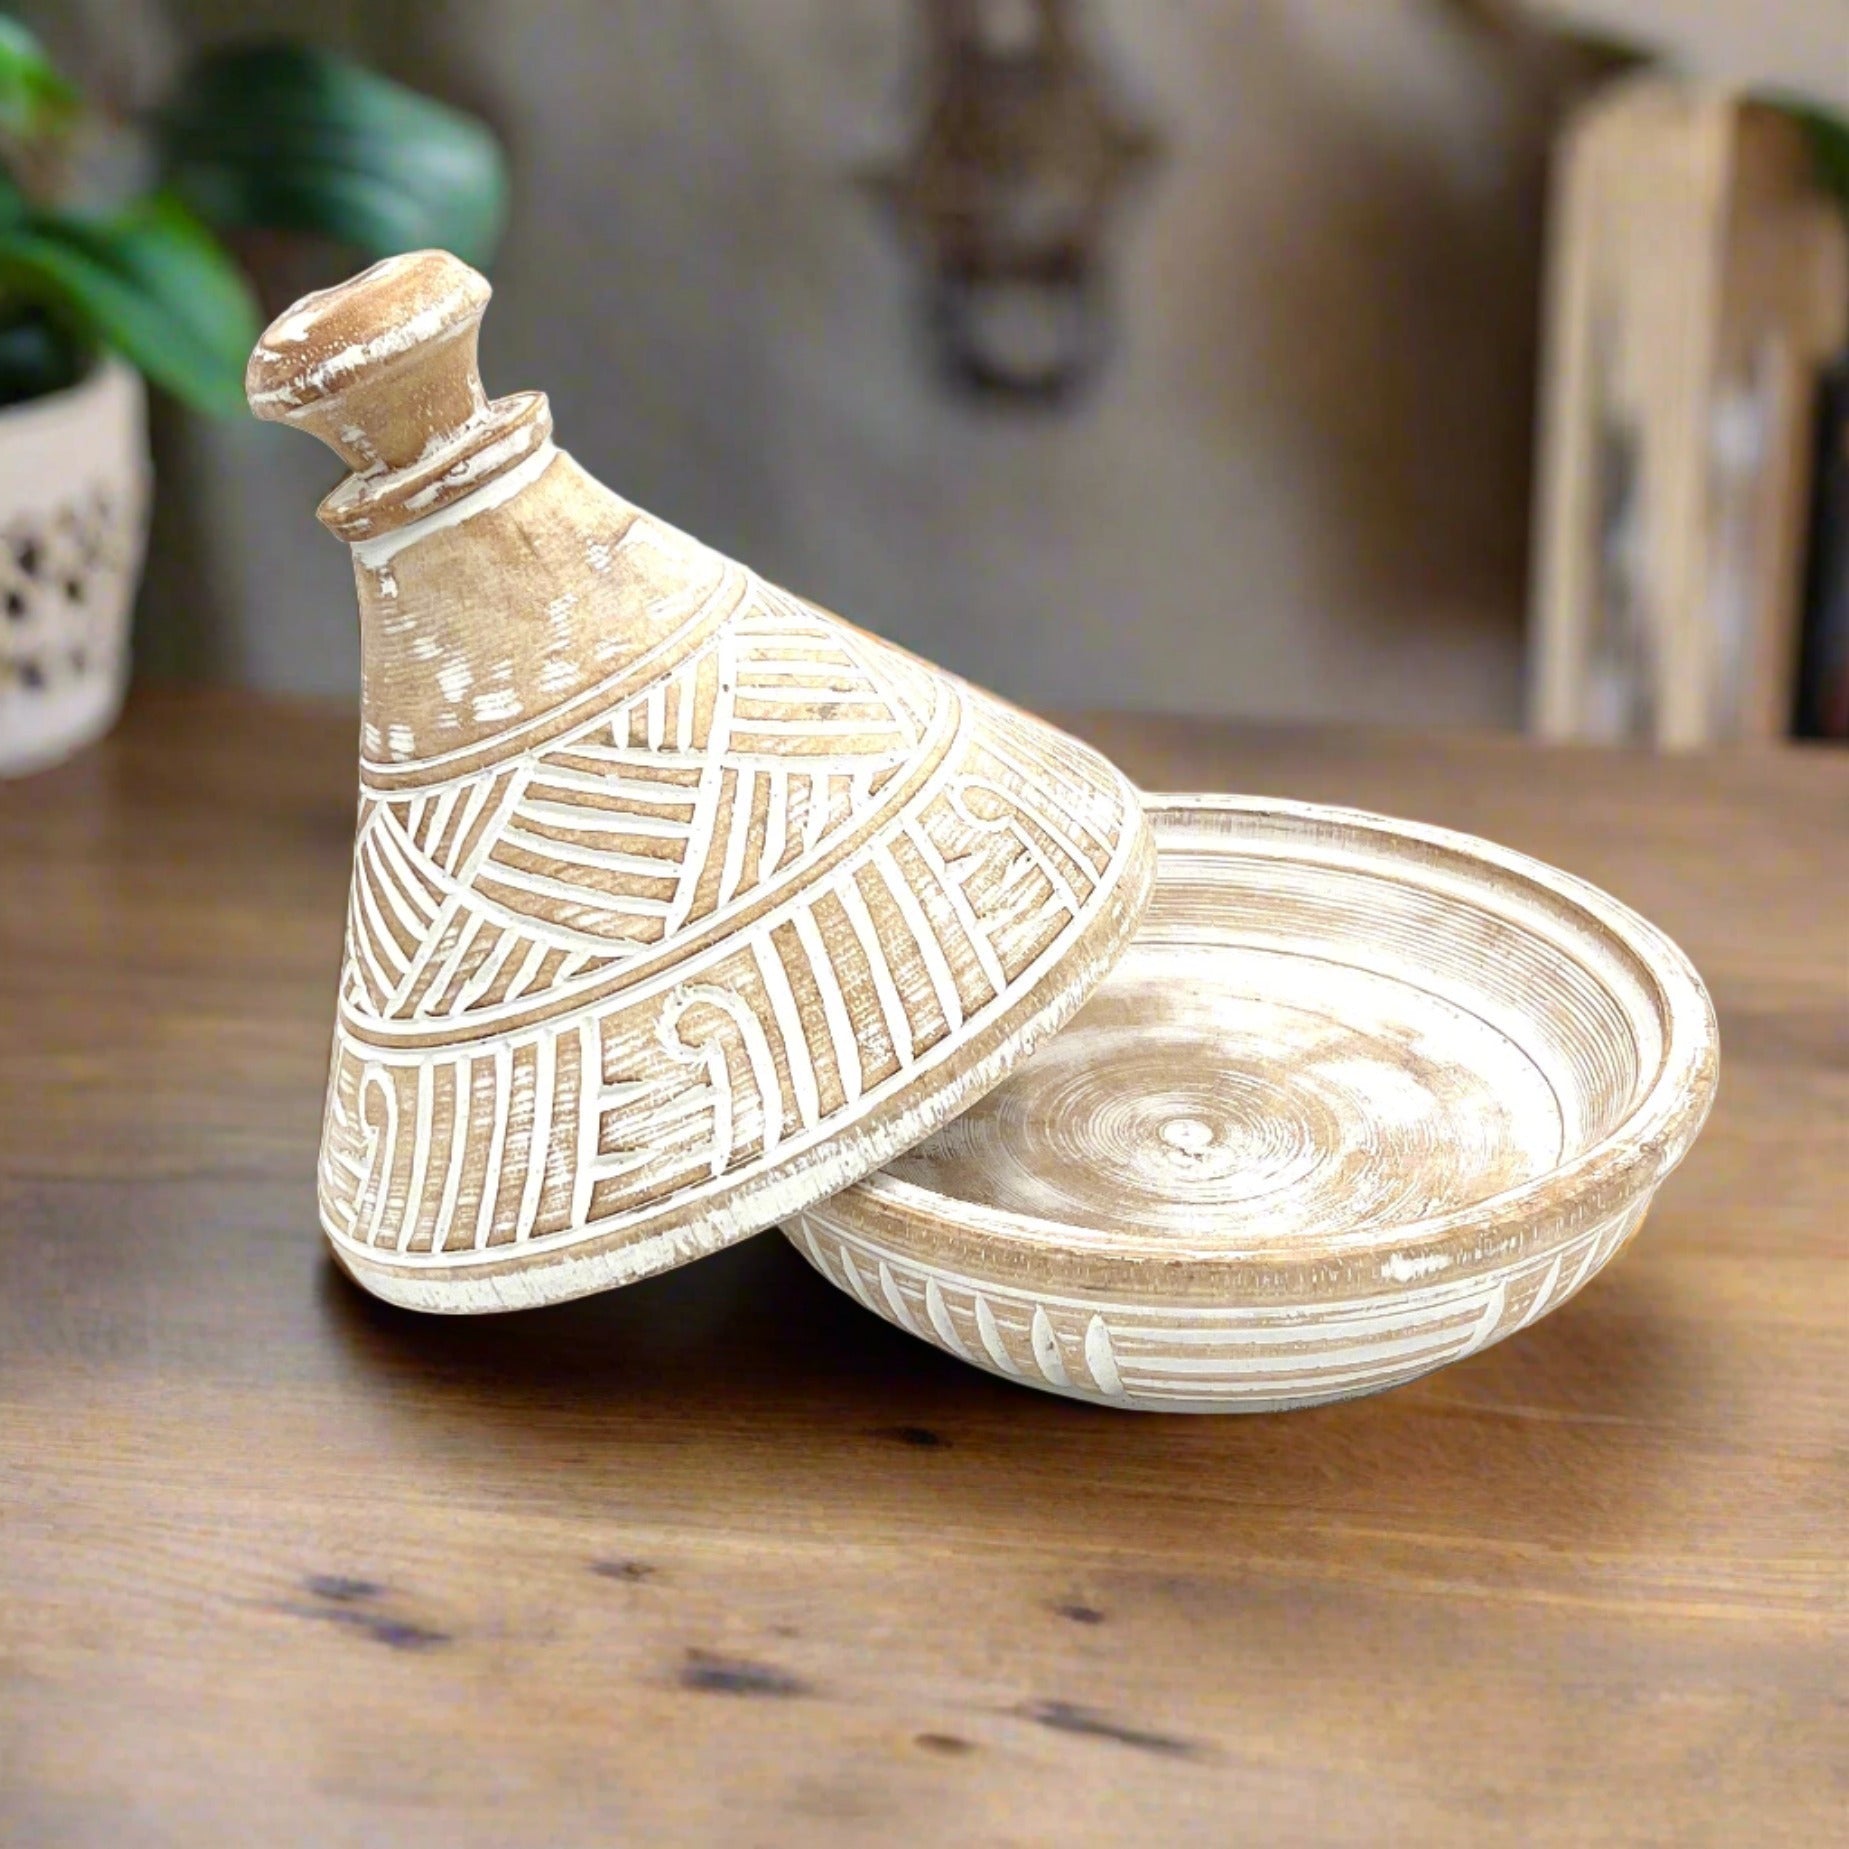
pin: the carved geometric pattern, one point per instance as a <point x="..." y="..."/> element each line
<point x="676" y="903"/>
<point x="689" y="937"/>
<point x="1224" y="1358"/>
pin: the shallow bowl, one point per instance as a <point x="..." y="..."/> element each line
<point x="1362" y="1098"/>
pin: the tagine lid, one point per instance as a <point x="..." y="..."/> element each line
<point x="678" y="903"/>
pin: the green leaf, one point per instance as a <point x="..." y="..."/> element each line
<point x="287" y="138"/>
<point x="150" y="283"/>
<point x="35" y="97"/>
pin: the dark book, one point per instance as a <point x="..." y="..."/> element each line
<point x="1822" y="706"/>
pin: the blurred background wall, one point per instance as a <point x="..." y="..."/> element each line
<point x="1300" y="488"/>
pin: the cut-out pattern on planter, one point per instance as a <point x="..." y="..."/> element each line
<point x="74" y="483"/>
<point x="66" y="577"/>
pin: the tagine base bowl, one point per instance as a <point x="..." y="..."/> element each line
<point x="1361" y="1098"/>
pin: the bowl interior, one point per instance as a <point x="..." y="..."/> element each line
<point x="1326" y="1022"/>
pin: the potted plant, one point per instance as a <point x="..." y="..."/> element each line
<point x="105" y="284"/>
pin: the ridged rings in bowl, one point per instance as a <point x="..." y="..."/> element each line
<point x="1362" y="1097"/>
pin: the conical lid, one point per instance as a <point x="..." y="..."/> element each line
<point x="677" y="903"/>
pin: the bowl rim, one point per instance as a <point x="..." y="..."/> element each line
<point x="1619" y="1170"/>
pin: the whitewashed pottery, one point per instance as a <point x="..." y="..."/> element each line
<point x="1361" y="1098"/>
<point x="677" y="902"/>
<point x="74" y="481"/>
<point x="679" y="906"/>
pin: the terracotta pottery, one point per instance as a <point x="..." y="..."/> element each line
<point x="1361" y="1098"/>
<point x="677" y="902"/>
<point x="73" y="515"/>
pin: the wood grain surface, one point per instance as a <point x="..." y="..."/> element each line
<point x="721" y="1556"/>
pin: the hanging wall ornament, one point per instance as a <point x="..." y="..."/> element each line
<point x="1021" y="157"/>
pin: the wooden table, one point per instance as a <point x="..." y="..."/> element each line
<point x="721" y="1556"/>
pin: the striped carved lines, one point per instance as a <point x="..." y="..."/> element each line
<point x="722" y="776"/>
<point x="811" y="1011"/>
<point x="698" y="933"/>
<point x="1231" y="1357"/>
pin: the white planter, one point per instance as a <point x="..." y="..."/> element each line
<point x="74" y="481"/>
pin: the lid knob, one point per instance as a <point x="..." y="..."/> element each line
<point x="381" y="368"/>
